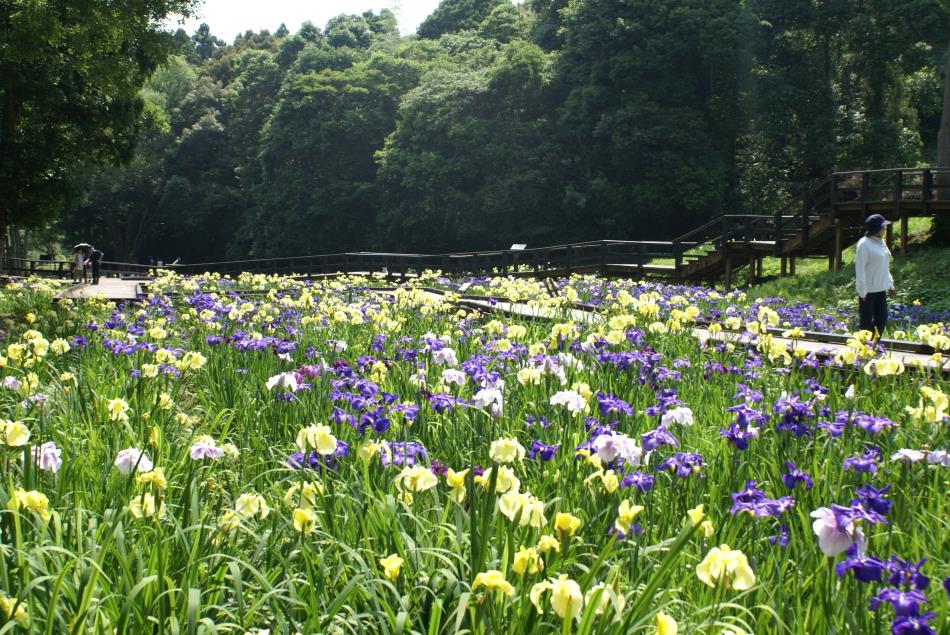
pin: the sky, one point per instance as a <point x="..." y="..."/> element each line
<point x="227" y="18"/>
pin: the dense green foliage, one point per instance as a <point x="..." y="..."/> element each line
<point x="70" y="80"/>
<point x="921" y="277"/>
<point x="545" y="122"/>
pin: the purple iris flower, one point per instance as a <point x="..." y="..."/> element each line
<point x="747" y="394"/>
<point x="905" y="603"/>
<point x="642" y="482"/>
<point x="714" y="367"/>
<point x="867" y="462"/>
<point x="365" y="387"/>
<point x="781" y="538"/>
<point x="338" y="415"/>
<point x="409" y="411"/>
<point x="531" y="420"/>
<point x="375" y="419"/>
<point x="746" y="416"/>
<point x="845" y="515"/>
<point x="796" y="476"/>
<point x="907" y="574"/>
<point x="595" y="428"/>
<point x="310" y="371"/>
<point x="794" y="413"/>
<point x="753" y="500"/>
<point x="683" y="463"/>
<point x="738" y="436"/>
<point x="635" y="337"/>
<point x="665" y="374"/>
<point x="871" y="424"/>
<point x="655" y="438"/>
<point x="946" y="586"/>
<point x="872" y="498"/>
<point x="635" y="529"/>
<point x="387" y="398"/>
<point x="864" y="568"/>
<point x="405" y="453"/>
<point x="313" y="460"/>
<point x="612" y="404"/>
<point x="541" y="451"/>
<point x="441" y="402"/>
<point x="913" y="625"/>
<point x="744" y="499"/>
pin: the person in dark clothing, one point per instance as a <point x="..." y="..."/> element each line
<point x="95" y="260"/>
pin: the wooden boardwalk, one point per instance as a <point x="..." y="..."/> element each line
<point x="115" y="289"/>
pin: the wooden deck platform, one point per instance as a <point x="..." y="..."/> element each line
<point x="115" y="289"/>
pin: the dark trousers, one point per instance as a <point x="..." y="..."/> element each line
<point x="872" y="312"/>
<point x="95" y="272"/>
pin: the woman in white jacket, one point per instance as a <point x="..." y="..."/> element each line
<point x="872" y="265"/>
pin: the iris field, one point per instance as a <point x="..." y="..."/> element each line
<point x="265" y="454"/>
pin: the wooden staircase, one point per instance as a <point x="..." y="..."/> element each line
<point x="821" y="221"/>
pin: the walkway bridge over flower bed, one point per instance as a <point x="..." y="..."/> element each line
<point x="821" y="221"/>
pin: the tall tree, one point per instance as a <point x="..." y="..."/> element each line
<point x="318" y="190"/>
<point x="942" y="225"/>
<point x="473" y="162"/>
<point x="69" y="98"/>
<point x="452" y="16"/>
<point x="650" y="112"/>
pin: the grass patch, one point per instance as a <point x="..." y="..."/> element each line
<point x="922" y="275"/>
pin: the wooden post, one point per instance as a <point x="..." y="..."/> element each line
<point x="758" y="266"/>
<point x="728" y="272"/>
<point x="898" y="193"/>
<point x="903" y="235"/>
<point x="791" y="265"/>
<point x="784" y="266"/>
<point x="890" y="235"/>
<point x="839" y="245"/>
<point x="751" y="265"/>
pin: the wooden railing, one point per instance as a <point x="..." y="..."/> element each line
<point x="918" y="189"/>
<point x="64" y="268"/>
<point x="903" y="185"/>
<point x="593" y="254"/>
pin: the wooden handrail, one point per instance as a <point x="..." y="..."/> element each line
<point x="825" y="198"/>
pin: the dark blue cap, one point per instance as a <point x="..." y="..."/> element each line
<point x="874" y="223"/>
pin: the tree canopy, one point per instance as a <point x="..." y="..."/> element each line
<point x="71" y="74"/>
<point x="542" y="122"/>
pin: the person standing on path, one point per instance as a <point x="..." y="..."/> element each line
<point x="79" y="265"/>
<point x="95" y="259"/>
<point x="872" y="268"/>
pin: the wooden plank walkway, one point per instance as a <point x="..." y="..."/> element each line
<point x="116" y="289"/>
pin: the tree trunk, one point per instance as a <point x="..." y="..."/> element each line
<point x="4" y="254"/>
<point x="941" y="231"/>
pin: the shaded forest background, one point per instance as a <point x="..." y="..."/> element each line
<point x="546" y="122"/>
